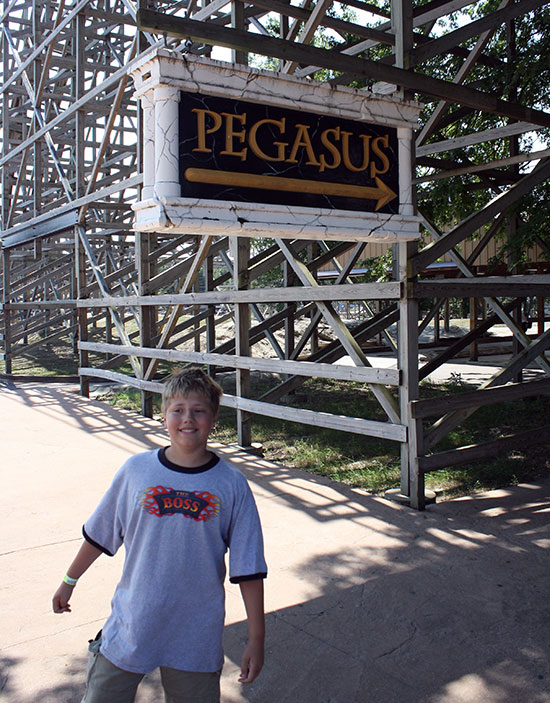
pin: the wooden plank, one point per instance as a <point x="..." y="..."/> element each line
<point x="12" y="237"/>
<point x="360" y="374"/>
<point x="489" y="166"/>
<point x="40" y="304"/>
<point x="343" y="423"/>
<point x="50" y="37"/>
<point x="486" y="450"/>
<point x="123" y="379"/>
<point x="356" y="291"/>
<point x="356" y="425"/>
<point x="488" y="286"/>
<point x="47" y="226"/>
<point x="209" y="33"/>
<point x="476" y="138"/>
<point x="431" y="407"/>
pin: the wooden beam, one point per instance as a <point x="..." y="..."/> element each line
<point x="449" y="421"/>
<point x="308" y="30"/>
<point x="341" y="331"/>
<point x="330" y="22"/>
<point x="359" y="374"/>
<point x="483" y="287"/>
<point x="469" y="225"/>
<point x="175" y="313"/>
<point x="486" y="135"/>
<point x="488" y="167"/>
<point x="334" y="350"/>
<point x="208" y="33"/>
<point x="486" y="450"/>
<point x="474" y="28"/>
<point x="431" y="407"/>
<point x="435" y="118"/>
<point x="343" y="423"/>
<point x="356" y="291"/>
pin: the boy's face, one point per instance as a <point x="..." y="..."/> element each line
<point x="188" y="419"/>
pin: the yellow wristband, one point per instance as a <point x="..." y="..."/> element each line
<point x="69" y="581"/>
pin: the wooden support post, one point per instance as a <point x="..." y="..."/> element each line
<point x="379" y="339"/>
<point x="289" y="279"/>
<point x="284" y="27"/>
<point x="74" y="313"/>
<point x="80" y="117"/>
<point x="412" y="479"/>
<point x="402" y="26"/>
<point x="7" y="174"/>
<point x="108" y="316"/>
<point x="7" y="312"/>
<point x="238" y="21"/>
<point x="516" y="346"/>
<point x="82" y="314"/>
<point x="195" y="312"/>
<point x="143" y="252"/>
<point x="211" y="319"/>
<point x="473" y="324"/>
<point x="540" y="315"/>
<point x="240" y="249"/>
<point x="37" y="72"/>
<point x="312" y="251"/>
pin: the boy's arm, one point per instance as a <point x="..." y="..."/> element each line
<point x="86" y="556"/>
<point x="253" y="656"/>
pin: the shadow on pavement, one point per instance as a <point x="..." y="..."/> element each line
<point x="366" y="600"/>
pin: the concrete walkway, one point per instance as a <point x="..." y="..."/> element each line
<point x="366" y="600"/>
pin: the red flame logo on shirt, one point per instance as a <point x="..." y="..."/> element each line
<point x="198" y="505"/>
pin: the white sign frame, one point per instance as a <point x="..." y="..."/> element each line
<point x="159" y="78"/>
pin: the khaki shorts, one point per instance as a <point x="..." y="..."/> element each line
<point x="106" y="683"/>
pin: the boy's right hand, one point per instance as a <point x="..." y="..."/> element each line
<point x="61" y="598"/>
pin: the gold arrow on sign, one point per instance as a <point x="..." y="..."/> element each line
<point x="381" y="192"/>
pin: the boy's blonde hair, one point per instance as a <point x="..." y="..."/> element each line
<point x="188" y="381"/>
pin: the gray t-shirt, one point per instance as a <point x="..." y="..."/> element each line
<point x="176" y="526"/>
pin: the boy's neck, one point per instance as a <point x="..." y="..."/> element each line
<point x="189" y="460"/>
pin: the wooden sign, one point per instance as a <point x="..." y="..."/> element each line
<point x="234" y="150"/>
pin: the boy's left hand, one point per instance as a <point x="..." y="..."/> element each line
<point x="252" y="661"/>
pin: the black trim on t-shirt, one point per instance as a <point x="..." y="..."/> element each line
<point x="165" y="461"/>
<point x="95" y="544"/>
<point x="248" y="577"/>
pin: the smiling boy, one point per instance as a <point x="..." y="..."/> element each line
<point x="176" y="510"/>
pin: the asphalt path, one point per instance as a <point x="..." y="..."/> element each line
<point x="366" y="600"/>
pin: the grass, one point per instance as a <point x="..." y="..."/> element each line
<point x="367" y="462"/>
<point x="47" y="361"/>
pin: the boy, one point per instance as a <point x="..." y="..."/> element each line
<point x="177" y="510"/>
